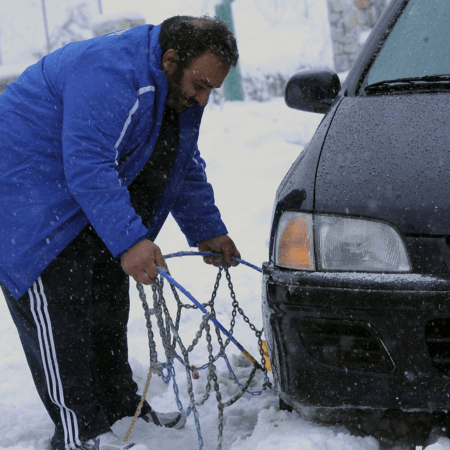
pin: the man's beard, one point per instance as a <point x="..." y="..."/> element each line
<point x="176" y="100"/>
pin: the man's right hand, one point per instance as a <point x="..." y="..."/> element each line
<point x="142" y="261"/>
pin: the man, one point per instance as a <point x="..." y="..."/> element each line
<point x="99" y="144"/>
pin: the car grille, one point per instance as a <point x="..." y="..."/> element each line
<point x="437" y="335"/>
<point x="353" y="345"/>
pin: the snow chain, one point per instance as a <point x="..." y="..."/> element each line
<point x="168" y="330"/>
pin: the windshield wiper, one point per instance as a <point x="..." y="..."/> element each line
<point x="428" y="82"/>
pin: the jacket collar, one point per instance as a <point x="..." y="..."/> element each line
<point x="155" y="57"/>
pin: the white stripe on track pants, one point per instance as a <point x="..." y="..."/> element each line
<point x="72" y="324"/>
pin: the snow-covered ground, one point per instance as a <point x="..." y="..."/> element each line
<point x="248" y="147"/>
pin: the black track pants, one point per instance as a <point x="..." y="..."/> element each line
<point x="73" y="324"/>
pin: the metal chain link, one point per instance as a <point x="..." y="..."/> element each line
<point x="171" y="341"/>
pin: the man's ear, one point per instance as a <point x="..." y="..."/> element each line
<point x="169" y="62"/>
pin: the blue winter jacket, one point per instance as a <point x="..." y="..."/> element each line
<point x="65" y="127"/>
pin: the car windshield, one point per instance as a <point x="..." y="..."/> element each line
<point x="417" y="46"/>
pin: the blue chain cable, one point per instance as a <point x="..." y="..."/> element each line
<point x="212" y="318"/>
<point x="230" y="369"/>
<point x="241" y="261"/>
<point x="189" y="409"/>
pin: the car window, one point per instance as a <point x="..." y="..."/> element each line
<point x="418" y="45"/>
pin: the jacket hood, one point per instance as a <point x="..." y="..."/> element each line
<point x="388" y="158"/>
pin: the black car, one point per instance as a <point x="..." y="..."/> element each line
<point x="356" y="292"/>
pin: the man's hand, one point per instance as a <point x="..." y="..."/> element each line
<point x="220" y="244"/>
<point x="142" y="261"/>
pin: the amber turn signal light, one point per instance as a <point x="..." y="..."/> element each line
<point x="295" y="248"/>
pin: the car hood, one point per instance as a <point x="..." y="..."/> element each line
<point x="388" y="157"/>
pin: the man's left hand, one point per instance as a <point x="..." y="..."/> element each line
<point x="221" y="244"/>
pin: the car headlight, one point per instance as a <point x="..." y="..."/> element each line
<point x="338" y="243"/>
<point x="294" y="246"/>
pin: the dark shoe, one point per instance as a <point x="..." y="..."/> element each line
<point x="169" y="420"/>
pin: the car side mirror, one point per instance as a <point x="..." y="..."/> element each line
<point x="312" y="90"/>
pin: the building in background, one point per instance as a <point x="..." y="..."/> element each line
<point x="350" y="23"/>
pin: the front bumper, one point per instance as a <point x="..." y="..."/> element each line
<point x="358" y="340"/>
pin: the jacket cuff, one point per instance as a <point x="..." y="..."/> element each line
<point x="204" y="235"/>
<point x="132" y="245"/>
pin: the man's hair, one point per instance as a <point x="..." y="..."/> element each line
<point x="192" y="36"/>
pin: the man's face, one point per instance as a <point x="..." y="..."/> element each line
<point x="193" y="84"/>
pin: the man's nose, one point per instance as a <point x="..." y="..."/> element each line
<point x="202" y="97"/>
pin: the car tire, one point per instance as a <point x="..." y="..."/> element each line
<point x="285" y="406"/>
